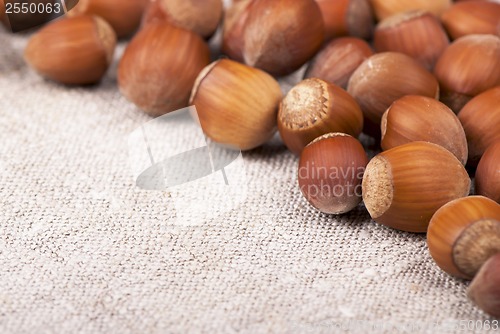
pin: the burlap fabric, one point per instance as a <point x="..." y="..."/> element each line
<point x="82" y="250"/>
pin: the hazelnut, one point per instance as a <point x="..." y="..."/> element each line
<point x="480" y="118"/>
<point x="338" y="60"/>
<point x="315" y="107"/>
<point x="233" y="28"/>
<point x="200" y="16"/>
<point x="237" y="105"/>
<point x="330" y="172"/>
<point x="347" y="17"/>
<point x="385" y="77"/>
<point x="404" y="186"/>
<point x="472" y="17"/>
<point x="467" y="67"/>
<point x="488" y="173"/>
<point x="123" y="15"/>
<point x="73" y="51"/>
<point x="421" y="118"/>
<point x="386" y="8"/>
<point x="418" y="34"/>
<point x="484" y="289"/>
<point x="282" y="35"/>
<point x="463" y="234"/>
<point x="159" y="67"/>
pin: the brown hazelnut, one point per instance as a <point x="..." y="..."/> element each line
<point x="237" y="104"/>
<point x="200" y="16"/>
<point x="484" y="289"/>
<point x="404" y="186"/>
<point x="463" y="234"/>
<point x="488" y="173"/>
<point x="421" y="118"/>
<point x="347" y="17"/>
<point x="385" y="77"/>
<point x="282" y="35"/>
<point x="315" y="107"/>
<point x="386" y="8"/>
<point x="75" y="51"/>
<point x="233" y="28"/>
<point x="338" y="60"/>
<point x="418" y="34"/>
<point x="480" y="118"/>
<point x="159" y="67"/>
<point x="472" y="17"/>
<point x="123" y="15"/>
<point x="330" y="172"/>
<point x="467" y="67"/>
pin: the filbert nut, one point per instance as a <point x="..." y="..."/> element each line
<point x="74" y="51"/>
<point x="467" y="67"/>
<point x="421" y="118"/>
<point x="313" y="108"/>
<point x="404" y="186"/>
<point x="123" y="15"/>
<point x="472" y="17"/>
<point x="159" y="67"/>
<point x="488" y="173"/>
<point x="484" y="289"/>
<point x="480" y="118"/>
<point x="330" y="172"/>
<point x="385" y="77"/>
<point x="338" y="60"/>
<point x="463" y="234"/>
<point x="418" y="34"/>
<point x="282" y="35"/>
<point x="233" y="28"/>
<point x="237" y="104"/>
<point x="200" y="16"/>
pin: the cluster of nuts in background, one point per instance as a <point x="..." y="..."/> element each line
<point x="421" y="77"/>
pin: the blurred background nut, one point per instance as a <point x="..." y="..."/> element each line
<point x="233" y="28"/>
<point x="282" y="35"/>
<point x="159" y="67"/>
<point x="123" y="15"/>
<point x="338" y="60"/>
<point x="347" y="17"/>
<point x="200" y="16"/>
<point x="418" y="34"/>
<point x="382" y="79"/>
<point x="237" y="104"/>
<point x="472" y="17"/>
<point x="386" y="8"/>
<point x="484" y="289"/>
<point x="488" y="173"/>
<point x="480" y="118"/>
<point x="75" y="50"/>
<point x="467" y="67"/>
<point x="421" y="118"/>
<point x="313" y="108"/>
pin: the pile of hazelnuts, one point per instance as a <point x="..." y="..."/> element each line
<point x="420" y="77"/>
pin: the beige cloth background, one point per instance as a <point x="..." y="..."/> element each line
<point x="82" y="250"/>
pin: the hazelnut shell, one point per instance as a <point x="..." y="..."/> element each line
<point x="404" y="186"/>
<point x="74" y="51"/>
<point x="237" y="104"/>
<point x="463" y="234"/>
